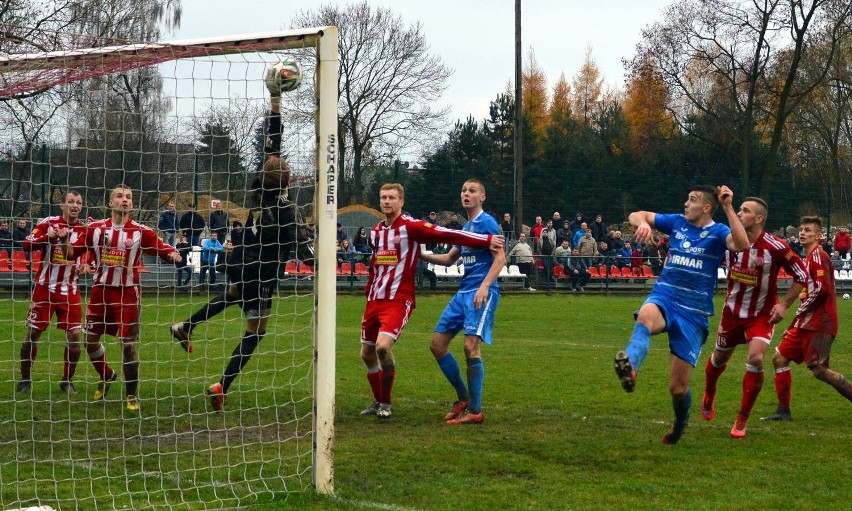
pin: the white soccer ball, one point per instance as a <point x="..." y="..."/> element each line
<point x="845" y="296"/>
<point x="285" y="75"/>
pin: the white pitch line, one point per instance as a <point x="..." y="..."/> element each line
<point x="365" y="504"/>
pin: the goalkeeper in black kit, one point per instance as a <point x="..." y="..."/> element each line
<point x="271" y="234"/>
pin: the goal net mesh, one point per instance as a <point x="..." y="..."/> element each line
<point x="179" y="123"/>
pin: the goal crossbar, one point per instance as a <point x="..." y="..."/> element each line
<point x="24" y="73"/>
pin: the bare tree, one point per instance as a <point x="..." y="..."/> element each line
<point x="389" y="84"/>
<point x="737" y="63"/>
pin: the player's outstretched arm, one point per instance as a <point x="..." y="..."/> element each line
<point x="779" y="310"/>
<point x="643" y="221"/>
<point x="442" y="259"/>
<point x="737" y="241"/>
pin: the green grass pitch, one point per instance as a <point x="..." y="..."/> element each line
<point x="559" y="432"/>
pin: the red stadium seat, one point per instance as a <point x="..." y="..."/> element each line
<point x="614" y="272"/>
<point x="626" y="272"/>
<point x="290" y="268"/>
<point x="361" y="269"/>
<point x="602" y="270"/>
<point x="557" y="272"/>
<point x="593" y="271"/>
<point x="19" y="261"/>
<point x="646" y="272"/>
<point x="782" y="274"/>
<point x="637" y="272"/>
<point x="35" y="258"/>
<point x="345" y="268"/>
<point x="305" y="269"/>
<point x="4" y="262"/>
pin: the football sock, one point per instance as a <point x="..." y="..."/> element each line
<point x="215" y="306"/>
<point x="239" y="358"/>
<point x="475" y="377"/>
<point x="752" y="383"/>
<point x="72" y="356"/>
<point x="130" y="368"/>
<point x="637" y="347"/>
<point x="29" y="350"/>
<point x="450" y="367"/>
<point x="783" y="386"/>
<point x="388" y="374"/>
<point x="681" y="410"/>
<point x="712" y="372"/>
<point x="98" y="358"/>
<point x="374" y="376"/>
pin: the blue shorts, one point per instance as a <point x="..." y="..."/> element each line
<point x="460" y="314"/>
<point x="687" y="331"/>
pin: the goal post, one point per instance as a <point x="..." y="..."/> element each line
<point x="177" y="122"/>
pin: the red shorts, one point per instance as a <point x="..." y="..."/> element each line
<point x="69" y="312"/>
<point x="735" y="331"/>
<point x="386" y="317"/>
<point x="113" y="311"/>
<point x="809" y="346"/>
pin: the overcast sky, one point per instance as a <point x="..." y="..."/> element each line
<point x="474" y="37"/>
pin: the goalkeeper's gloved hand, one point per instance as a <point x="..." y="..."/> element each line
<point x="273" y="83"/>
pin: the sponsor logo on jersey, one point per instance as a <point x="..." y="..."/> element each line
<point x="128" y="243"/>
<point x="112" y="256"/>
<point x="745" y="276"/>
<point x="57" y="256"/>
<point x="689" y="262"/>
<point x="704" y="234"/>
<point x="387" y="257"/>
<point x="820" y="273"/>
<point x="471" y="259"/>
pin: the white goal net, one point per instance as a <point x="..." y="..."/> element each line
<point x="181" y="123"/>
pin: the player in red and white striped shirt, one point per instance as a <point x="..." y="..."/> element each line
<point x="390" y="287"/>
<point x="116" y="246"/>
<point x="809" y="337"/>
<point x="55" y="291"/>
<point x="751" y="308"/>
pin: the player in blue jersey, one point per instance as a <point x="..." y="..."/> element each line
<point x="682" y="299"/>
<point x="471" y="309"/>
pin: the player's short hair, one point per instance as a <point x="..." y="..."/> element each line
<point x="763" y="206"/>
<point x="811" y="219"/>
<point x="275" y="174"/>
<point x="75" y="193"/>
<point x="709" y="194"/>
<point x="394" y="186"/>
<point x="478" y="182"/>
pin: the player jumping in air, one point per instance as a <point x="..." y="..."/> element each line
<point x="471" y="309"/>
<point x="390" y="287"/>
<point x="253" y="265"/>
<point x="682" y="298"/>
<point x="751" y="308"/>
<point x="809" y="337"/>
<point x="116" y="246"/>
<point x="55" y="291"/>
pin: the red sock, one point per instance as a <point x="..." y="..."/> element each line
<point x="752" y="383"/>
<point x="98" y="358"/>
<point x="375" y="380"/>
<point x="71" y="358"/>
<point x="387" y="384"/>
<point x="783" y="386"/>
<point x="712" y="374"/>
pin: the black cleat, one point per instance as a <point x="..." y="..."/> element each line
<point x="625" y="372"/>
<point x="781" y="414"/>
<point x="24" y="387"/>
